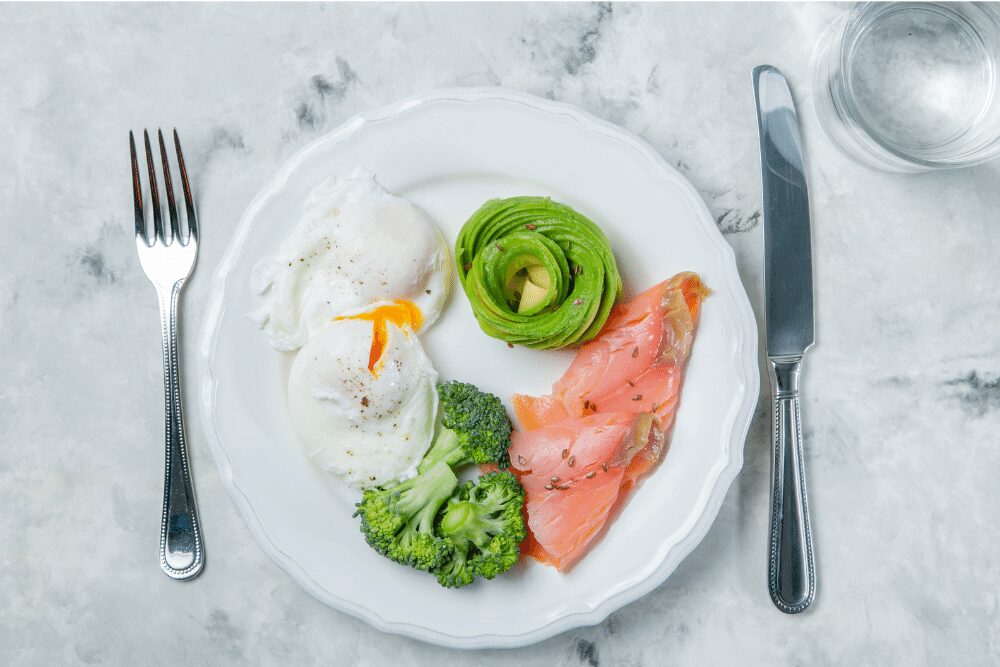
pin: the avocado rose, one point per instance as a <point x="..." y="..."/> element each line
<point x="536" y="272"/>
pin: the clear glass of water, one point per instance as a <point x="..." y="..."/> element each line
<point x="911" y="86"/>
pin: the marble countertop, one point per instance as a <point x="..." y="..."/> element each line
<point x="902" y="391"/>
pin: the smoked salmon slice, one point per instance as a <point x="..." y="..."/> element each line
<point x="607" y="415"/>
<point x="635" y="363"/>
<point x="572" y="472"/>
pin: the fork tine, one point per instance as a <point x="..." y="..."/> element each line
<point x="154" y="192"/>
<point x="140" y="220"/>
<point x="168" y="188"/>
<point x="192" y="219"/>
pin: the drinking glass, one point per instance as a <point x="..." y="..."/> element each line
<point x="911" y="86"/>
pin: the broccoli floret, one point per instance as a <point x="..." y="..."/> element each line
<point x="479" y="531"/>
<point x="398" y="521"/>
<point x="476" y="428"/>
<point x="456" y="571"/>
<point x="498" y="556"/>
<point x="484" y="522"/>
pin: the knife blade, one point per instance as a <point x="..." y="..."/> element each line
<point x="789" y="324"/>
<point x="787" y="247"/>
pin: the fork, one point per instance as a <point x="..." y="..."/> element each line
<point x="167" y="260"/>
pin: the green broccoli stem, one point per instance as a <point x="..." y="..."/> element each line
<point x="423" y="521"/>
<point x="469" y="521"/>
<point x="446" y="448"/>
<point x="425" y="494"/>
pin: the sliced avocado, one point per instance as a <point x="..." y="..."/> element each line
<point x="538" y="275"/>
<point x="531" y="296"/>
<point x="515" y="285"/>
<point x="512" y="243"/>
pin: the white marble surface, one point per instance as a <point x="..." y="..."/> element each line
<point x="902" y="390"/>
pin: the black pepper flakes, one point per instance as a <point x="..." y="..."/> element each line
<point x="565" y="453"/>
<point x="637" y="397"/>
<point x="635" y="353"/>
<point x="364" y="401"/>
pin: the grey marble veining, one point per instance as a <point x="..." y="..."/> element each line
<point x="902" y="390"/>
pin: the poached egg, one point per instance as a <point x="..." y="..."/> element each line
<point x="357" y="244"/>
<point x="362" y="396"/>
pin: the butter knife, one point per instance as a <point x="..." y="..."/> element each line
<point x="788" y="318"/>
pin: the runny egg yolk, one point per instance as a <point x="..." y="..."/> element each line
<point x="401" y="312"/>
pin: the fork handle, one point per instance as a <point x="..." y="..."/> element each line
<point x="182" y="554"/>
<point x="792" y="570"/>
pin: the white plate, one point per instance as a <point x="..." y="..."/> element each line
<point x="448" y="152"/>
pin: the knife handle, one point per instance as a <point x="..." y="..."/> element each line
<point x="791" y="571"/>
